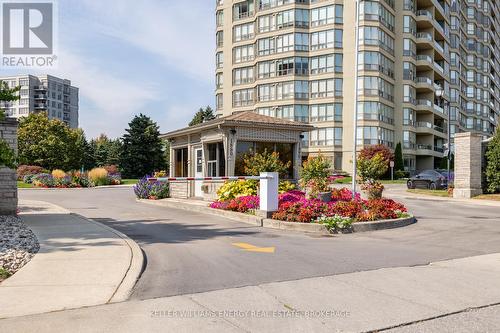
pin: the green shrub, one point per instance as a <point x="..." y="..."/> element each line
<point x="4" y="274"/>
<point x="265" y="162"/>
<point x="493" y="164"/>
<point x="238" y="188"/>
<point x="399" y="174"/>
<point x="286" y="186"/>
<point x="315" y="168"/>
<point x="336" y="222"/>
<point x="7" y="155"/>
<point x="372" y="168"/>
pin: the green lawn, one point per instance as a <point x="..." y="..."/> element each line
<point x="436" y="193"/>
<point x="129" y="181"/>
<point x="348" y="180"/>
<point x="345" y="180"/>
<point x="494" y="197"/>
<point x="21" y="184"/>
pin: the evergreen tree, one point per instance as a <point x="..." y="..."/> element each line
<point x="202" y="116"/>
<point x="106" y="151"/>
<point x="87" y="160"/>
<point x="142" y="151"/>
<point x="198" y="117"/>
<point x="398" y="156"/>
<point x="208" y="114"/>
<point x="7" y="95"/>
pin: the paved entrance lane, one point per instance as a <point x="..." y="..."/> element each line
<point x="189" y="252"/>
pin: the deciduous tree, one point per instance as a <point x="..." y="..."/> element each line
<point x="48" y="143"/>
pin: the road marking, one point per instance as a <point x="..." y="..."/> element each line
<point x="253" y="248"/>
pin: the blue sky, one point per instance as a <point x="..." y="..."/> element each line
<point x="154" y="57"/>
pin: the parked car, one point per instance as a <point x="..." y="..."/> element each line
<point x="429" y="179"/>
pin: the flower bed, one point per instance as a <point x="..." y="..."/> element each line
<point x="73" y="179"/>
<point x="340" y="213"/>
<point x="144" y="189"/>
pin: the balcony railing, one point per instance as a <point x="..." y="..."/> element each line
<point x="425" y="13"/>
<point x="439" y="108"/>
<point x="424" y="35"/>
<point x="423" y="79"/>
<point x="426" y="147"/>
<point x="424" y="57"/>
<point x="424" y="102"/>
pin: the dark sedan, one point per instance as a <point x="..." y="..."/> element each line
<point x="428" y="179"/>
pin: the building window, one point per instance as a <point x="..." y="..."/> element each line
<point x="372" y="135"/>
<point x="326" y="112"/>
<point x="331" y="136"/>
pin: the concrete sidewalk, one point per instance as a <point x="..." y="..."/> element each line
<point x="80" y="263"/>
<point x="356" y="302"/>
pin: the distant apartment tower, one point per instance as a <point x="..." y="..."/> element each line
<point x="296" y="59"/>
<point x="44" y="93"/>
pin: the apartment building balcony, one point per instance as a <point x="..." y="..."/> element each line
<point x="440" y="110"/>
<point x="441" y="9"/>
<point x="425" y="39"/>
<point x="40" y="88"/>
<point x="424" y="83"/>
<point x="40" y="97"/>
<point x="424" y="105"/>
<point x="429" y="150"/>
<point x="243" y="16"/>
<point x="424" y="18"/>
<point x="40" y="106"/>
<point x="439" y="69"/>
<point x="425" y="62"/>
<point x="439" y="47"/>
<point x="424" y="127"/>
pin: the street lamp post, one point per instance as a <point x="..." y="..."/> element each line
<point x="355" y="125"/>
<point x="440" y="96"/>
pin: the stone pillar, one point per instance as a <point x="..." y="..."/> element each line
<point x="8" y="177"/>
<point x="468" y="161"/>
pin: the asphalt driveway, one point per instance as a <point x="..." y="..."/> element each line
<point x="189" y="252"/>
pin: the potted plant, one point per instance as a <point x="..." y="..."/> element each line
<point x="373" y="189"/>
<point x="314" y="178"/>
<point x="370" y="169"/>
<point x="319" y="189"/>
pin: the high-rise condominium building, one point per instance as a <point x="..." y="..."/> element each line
<point x="44" y="93"/>
<point x="296" y="59"/>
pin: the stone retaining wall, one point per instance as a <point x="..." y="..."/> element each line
<point x="8" y="177"/>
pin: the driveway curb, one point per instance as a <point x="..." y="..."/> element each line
<point x="135" y="269"/>
<point x="314" y="228"/>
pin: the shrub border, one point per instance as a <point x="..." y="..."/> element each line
<point x="254" y="220"/>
